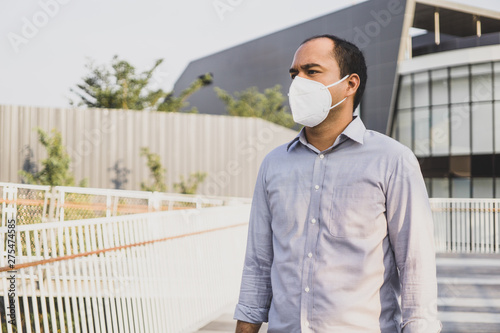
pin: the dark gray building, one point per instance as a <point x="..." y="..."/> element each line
<point x="375" y="26"/>
<point x="433" y="82"/>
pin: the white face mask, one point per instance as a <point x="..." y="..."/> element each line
<point x="311" y="101"/>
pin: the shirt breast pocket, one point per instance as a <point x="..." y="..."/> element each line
<point x="357" y="212"/>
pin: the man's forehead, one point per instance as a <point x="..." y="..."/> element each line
<point x="315" y="51"/>
<point x="320" y="45"/>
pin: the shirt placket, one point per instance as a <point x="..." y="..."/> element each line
<point x="313" y="223"/>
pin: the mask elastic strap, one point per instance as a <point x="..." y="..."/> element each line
<point x="337" y="103"/>
<point x="335" y="83"/>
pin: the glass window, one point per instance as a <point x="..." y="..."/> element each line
<point x="460" y="129"/>
<point x="497" y="127"/>
<point x="460" y="166"/>
<point x="497" y="186"/>
<point x="440" y="188"/>
<point x="460" y="188"/>
<point x="460" y="84"/>
<point x="483" y="166"/>
<point x="428" y="186"/>
<point x="404" y="98"/>
<point x="422" y="132"/>
<point x="394" y="130"/>
<point x="421" y="89"/>
<point x="439" y="131"/>
<point x="496" y="89"/>
<point x="404" y="127"/>
<point x="482" y="128"/>
<point x="482" y="86"/>
<point x="439" y="86"/>
<point x="482" y="188"/>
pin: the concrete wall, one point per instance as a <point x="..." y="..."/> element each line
<point x="229" y="149"/>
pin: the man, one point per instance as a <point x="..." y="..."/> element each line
<point x="340" y="236"/>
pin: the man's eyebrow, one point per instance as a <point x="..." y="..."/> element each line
<point x="304" y="67"/>
<point x="307" y="66"/>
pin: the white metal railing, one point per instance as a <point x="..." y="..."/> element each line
<point x="81" y="202"/>
<point x="155" y="272"/>
<point x="466" y="225"/>
<point x="35" y="203"/>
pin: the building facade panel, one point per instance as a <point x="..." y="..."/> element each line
<point x="450" y="118"/>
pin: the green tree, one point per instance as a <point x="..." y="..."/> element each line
<point x="56" y="167"/>
<point x="157" y="172"/>
<point x="190" y="186"/>
<point x="252" y="103"/>
<point x="173" y="104"/>
<point x="119" y="86"/>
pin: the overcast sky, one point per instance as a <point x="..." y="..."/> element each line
<point x="38" y="65"/>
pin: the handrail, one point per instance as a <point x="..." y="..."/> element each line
<point x="26" y="186"/>
<point x="116" y="248"/>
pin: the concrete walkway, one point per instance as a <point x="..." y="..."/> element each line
<point x="468" y="302"/>
<point x="225" y="323"/>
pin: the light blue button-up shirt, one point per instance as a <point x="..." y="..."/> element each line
<point x="340" y="240"/>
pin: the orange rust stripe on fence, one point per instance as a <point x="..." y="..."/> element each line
<point x="27" y="202"/>
<point x="73" y="256"/>
<point x="98" y="206"/>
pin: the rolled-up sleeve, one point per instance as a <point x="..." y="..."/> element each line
<point x="256" y="292"/>
<point x="410" y="227"/>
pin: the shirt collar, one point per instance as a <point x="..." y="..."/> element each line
<point x="354" y="131"/>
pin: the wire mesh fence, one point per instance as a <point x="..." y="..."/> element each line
<point x="82" y="203"/>
<point x="29" y="201"/>
<point x="32" y="204"/>
<point x="36" y="204"/>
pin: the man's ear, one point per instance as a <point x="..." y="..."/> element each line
<point x="352" y="84"/>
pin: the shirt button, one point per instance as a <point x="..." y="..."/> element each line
<point x="313" y="221"/>
<point x="316" y="187"/>
<point x="322" y="156"/>
<point x="310" y="255"/>
<point x="306" y="323"/>
<point x="307" y="289"/>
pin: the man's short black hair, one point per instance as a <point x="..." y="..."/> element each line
<point x="350" y="59"/>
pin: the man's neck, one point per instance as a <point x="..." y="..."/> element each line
<point x="325" y="134"/>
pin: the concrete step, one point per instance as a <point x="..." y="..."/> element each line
<point x="458" y="327"/>
<point x="469" y="256"/>
<point x="469" y="292"/>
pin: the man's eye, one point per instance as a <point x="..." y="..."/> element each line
<point x="311" y="72"/>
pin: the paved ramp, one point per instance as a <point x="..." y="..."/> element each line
<point x="225" y="324"/>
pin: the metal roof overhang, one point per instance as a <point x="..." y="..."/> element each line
<point x="455" y="19"/>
